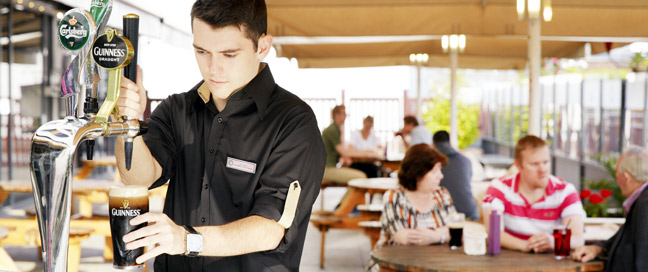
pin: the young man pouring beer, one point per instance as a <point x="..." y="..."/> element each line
<point x="243" y="157"/>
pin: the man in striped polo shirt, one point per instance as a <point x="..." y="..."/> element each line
<point x="533" y="201"/>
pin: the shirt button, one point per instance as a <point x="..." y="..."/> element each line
<point x="203" y="220"/>
<point x="220" y="120"/>
<point x="211" y="150"/>
<point x="206" y="186"/>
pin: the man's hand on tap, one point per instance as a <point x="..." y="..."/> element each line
<point x="132" y="97"/>
<point x="161" y="235"/>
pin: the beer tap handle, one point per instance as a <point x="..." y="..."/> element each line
<point x="128" y="151"/>
<point x="131" y="32"/>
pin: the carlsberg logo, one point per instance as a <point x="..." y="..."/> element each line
<point x="68" y="31"/>
<point x="118" y="212"/>
<point x="97" y="3"/>
<point x="107" y="52"/>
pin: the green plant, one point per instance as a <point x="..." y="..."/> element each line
<point x="609" y="164"/>
<point x="437" y="117"/>
<point x="639" y="61"/>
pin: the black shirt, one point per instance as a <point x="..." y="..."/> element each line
<point x="269" y="138"/>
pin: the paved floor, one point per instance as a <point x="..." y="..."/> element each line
<point x="346" y="250"/>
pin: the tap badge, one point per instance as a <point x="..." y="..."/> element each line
<point x="111" y="50"/>
<point x="74" y="30"/>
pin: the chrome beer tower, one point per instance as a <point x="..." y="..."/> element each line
<point x="54" y="144"/>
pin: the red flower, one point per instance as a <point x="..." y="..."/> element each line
<point x="605" y="193"/>
<point x="596" y="199"/>
<point x="585" y="193"/>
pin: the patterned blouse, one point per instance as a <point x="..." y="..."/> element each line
<point x="399" y="213"/>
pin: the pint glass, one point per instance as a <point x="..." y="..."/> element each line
<point x="562" y="236"/>
<point x="125" y="203"/>
<point x="456" y="224"/>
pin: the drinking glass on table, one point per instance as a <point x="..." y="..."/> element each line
<point x="562" y="237"/>
<point x="456" y="224"/>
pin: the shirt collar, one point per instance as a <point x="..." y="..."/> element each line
<point x="260" y="89"/>
<point x="627" y="204"/>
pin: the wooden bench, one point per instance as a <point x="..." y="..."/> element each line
<point x="6" y="262"/>
<point x="324" y="223"/>
<point x="372" y="229"/>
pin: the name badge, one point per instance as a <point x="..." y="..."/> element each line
<point x="241" y="165"/>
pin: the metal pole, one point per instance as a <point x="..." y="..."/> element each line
<point x="1" y="58"/>
<point x="10" y="61"/>
<point x="46" y="43"/>
<point x="645" y="113"/>
<point x="600" y="139"/>
<point x="554" y="140"/>
<point x="454" y="139"/>
<point x="581" y="137"/>
<point x="534" y="77"/>
<point x="418" y="92"/>
<point x="622" y="124"/>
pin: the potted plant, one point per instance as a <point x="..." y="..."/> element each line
<point x="639" y="62"/>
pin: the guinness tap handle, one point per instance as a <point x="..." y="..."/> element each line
<point x="131" y="32"/>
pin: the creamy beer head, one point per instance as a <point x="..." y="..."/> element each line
<point x="128" y="191"/>
<point x="126" y="203"/>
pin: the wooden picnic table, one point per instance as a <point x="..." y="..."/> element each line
<point x="441" y="258"/>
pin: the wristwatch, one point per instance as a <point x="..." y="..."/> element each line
<point x="194" y="242"/>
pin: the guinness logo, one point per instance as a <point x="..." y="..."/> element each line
<point x="112" y="51"/>
<point x="125" y="203"/>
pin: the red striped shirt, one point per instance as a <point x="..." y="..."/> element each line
<point x="521" y="219"/>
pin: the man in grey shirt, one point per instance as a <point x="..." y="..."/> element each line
<point x="456" y="176"/>
<point x="419" y="133"/>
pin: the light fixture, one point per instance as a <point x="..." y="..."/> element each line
<point x="31" y="5"/>
<point x="547" y="13"/>
<point x="419" y="58"/>
<point x="531" y="9"/>
<point x="59" y="15"/>
<point x="41" y="8"/>
<point x="19" y="2"/>
<point x="453" y="42"/>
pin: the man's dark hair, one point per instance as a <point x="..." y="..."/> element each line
<point x="418" y="161"/>
<point x="251" y="14"/>
<point x="337" y="109"/>
<point x="410" y="120"/>
<point x="441" y="136"/>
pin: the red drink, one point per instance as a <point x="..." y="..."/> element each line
<point x="562" y="248"/>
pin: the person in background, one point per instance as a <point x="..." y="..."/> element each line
<point x="339" y="154"/>
<point x="416" y="214"/>
<point x="456" y="176"/>
<point x="532" y="202"/>
<point x="366" y="140"/>
<point x="627" y="250"/>
<point x="419" y="134"/>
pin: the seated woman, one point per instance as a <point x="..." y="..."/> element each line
<point x="417" y="213"/>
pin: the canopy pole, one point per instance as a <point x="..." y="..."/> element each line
<point x="454" y="131"/>
<point x="534" y="77"/>
<point x="419" y="115"/>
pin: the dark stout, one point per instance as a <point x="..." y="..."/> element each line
<point x="126" y="203"/>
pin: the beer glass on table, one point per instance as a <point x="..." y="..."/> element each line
<point x="126" y="203"/>
<point x="456" y="224"/>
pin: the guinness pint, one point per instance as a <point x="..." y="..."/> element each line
<point x="126" y="202"/>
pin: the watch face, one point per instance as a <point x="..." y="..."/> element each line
<point x="194" y="243"/>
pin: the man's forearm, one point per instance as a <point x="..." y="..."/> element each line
<point x="250" y="234"/>
<point x="144" y="168"/>
<point x="512" y="242"/>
